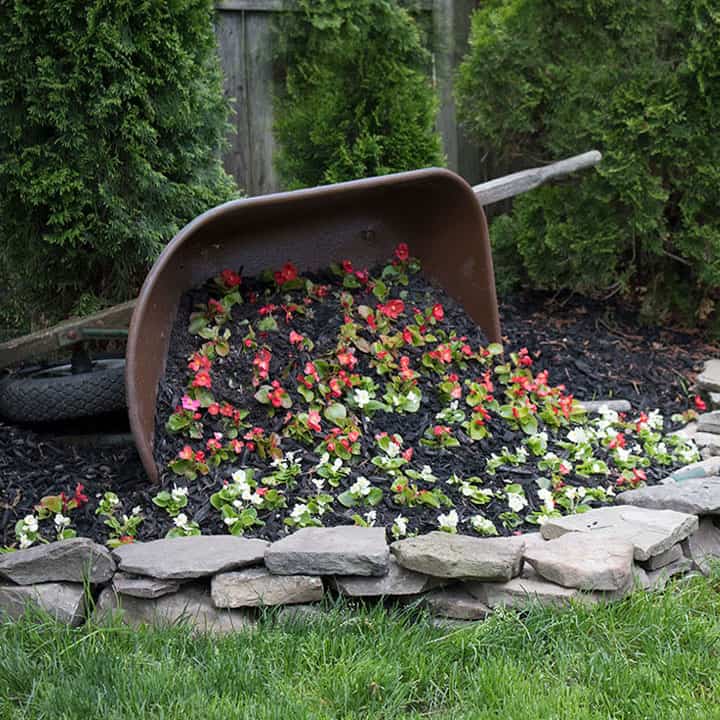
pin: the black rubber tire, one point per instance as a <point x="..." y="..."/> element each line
<point x="48" y="394"/>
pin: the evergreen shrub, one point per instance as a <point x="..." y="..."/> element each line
<point x="357" y="99"/>
<point x="112" y="118"/>
<point x="544" y="79"/>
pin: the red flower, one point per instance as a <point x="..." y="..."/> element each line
<point x="639" y="475"/>
<point x="199" y="362"/>
<point x="617" y="442"/>
<point x="437" y="312"/>
<point x="347" y="266"/>
<point x="407" y="454"/>
<point x="440" y="430"/>
<point x="80" y="498"/>
<point x="127" y="539"/>
<point x="213" y="409"/>
<point x="199" y="456"/>
<point x="267" y="309"/>
<point x="523" y="358"/>
<point x="347" y="358"/>
<point x="353" y="436"/>
<point x="230" y="279"/>
<point x="186" y="453"/>
<point x="401" y="252"/>
<point x="287" y="273"/>
<point x="392" y="308"/>
<point x="215" y="307"/>
<point x="261" y="491"/>
<point x="363" y="276"/>
<point x="237" y="446"/>
<point x="370" y="320"/>
<point x="262" y="362"/>
<point x="295" y="338"/>
<point x="202" y="379"/>
<point x="700" y="403"/>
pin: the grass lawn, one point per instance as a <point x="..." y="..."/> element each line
<point x="651" y="656"/>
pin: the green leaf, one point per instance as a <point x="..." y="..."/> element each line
<point x="336" y="413"/>
<point x="268" y="324"/>
<point x="347" y="499"/>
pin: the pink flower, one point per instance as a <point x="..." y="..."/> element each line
<point x="189" y="404"/>
<point x="438" y="312"/>
<point x="313" y="421"/>
<point x="186" y="453"/>
<point x="213" y="409"/>
<point x="295" y="338"/>
<point x="202" y="379"/>
<point x="700" y="403"/>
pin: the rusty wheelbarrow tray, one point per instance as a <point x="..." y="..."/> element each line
<point x="434" y="211"/>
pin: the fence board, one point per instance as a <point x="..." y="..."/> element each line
<point x="244" y="34"/>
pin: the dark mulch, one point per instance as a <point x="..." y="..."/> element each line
<point x="596" y="349"/>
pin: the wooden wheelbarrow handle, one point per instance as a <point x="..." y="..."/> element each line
<point x="510" y="185"/>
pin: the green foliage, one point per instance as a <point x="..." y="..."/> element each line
<point x="357" y="100"/>
<point x="637" y="80"/>
<point x="111" y="120"/>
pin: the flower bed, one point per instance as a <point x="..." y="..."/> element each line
<point x="344" y="398"/>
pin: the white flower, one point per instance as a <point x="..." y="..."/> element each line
<point x="239" y="476"/>
<point x="324" y="458"/>
<point x="337" y="464"/>
<point x="610" y="491"/>
<point x="426" y="474"/>
<point x="362" y="397"/>
<point x="178" y="493"/>
<point x="448" y="522"/>
<point x="137" y="510"/>
<point x="256" y="499"/>
<point x="521" y="454"/>
<point x="655" y="420"/>
<point x="516" y="501"/>
<point x="571" y="492"/>
<point x="61" y="521"/>
<point x="230" y="521"/>
<point x="370" y="517"/>
<point x="622" y="454"/>
<point x="400" y="525"/>
<point x="413" y="396"/>
<point x="581" y="492"/>
<point x="298" y="511"/>
<point x="31" y="523"/>
<point x="181" y="521"/>
<point x="550" y="456"/>
<point x="361" y="486"/>
<point x="482" y="525"/>
<point x="607" y="414"/>
<point x="25" y="541"/>
<point x="578" y="436"/>
<point x="319" y="483"/>
<point x="393" y="449"/>
<point x="547" y="498"/>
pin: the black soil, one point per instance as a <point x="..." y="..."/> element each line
<point x="599" y="350"/>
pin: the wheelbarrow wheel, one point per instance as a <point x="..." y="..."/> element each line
<point x="51" y="393"/>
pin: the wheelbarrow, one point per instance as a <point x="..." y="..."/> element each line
<point x="434" y="211"/>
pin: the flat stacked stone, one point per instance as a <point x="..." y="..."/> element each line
<point x="143" y="587"/>
<point x="709" y="422"/>
<point x="192" y="604"/>
<point x="187" y="558"/>
<point x="444" y="555"/>
<point x="709" y="378"/>
<point x="651" y="532"/>
<point x="701" y="469"/>
<point x="586" y="561"/>
<point x="256" y="587"/>
<point x="668" y="557"/>
<point x="63" y="601"/>
<point x="77" y="560"/>
<point x="343" y="550"/>
<point x="698" y="496"/>
<point x="399" y="581"/>
<point x="592" y="407"/>
<point x="703" y="546"/>
<point x="522" y="592"/>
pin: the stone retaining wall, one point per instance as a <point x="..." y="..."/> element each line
<point x="219" y="582"/>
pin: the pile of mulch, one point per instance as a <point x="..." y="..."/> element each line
<point x="599" y="350"/>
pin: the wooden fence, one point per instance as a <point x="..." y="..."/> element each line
<point x="244" y="33"/>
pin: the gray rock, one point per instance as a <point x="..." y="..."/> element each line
<point x="522" y="592"/>
<point x="587" y="561"/>
<point x="76" y="560"/>
<point x="63" y="601"/>
<point x="342" y="550"/>
<point x="709" y="378"/>
<point x="189" y="557"/>
<point x="708" y="441"/>
<point x="650" y="531"/>
<point x="658" y="579"/>
<point x="592" y="407"/>
<point x="444" y="623"/>
<point x="714" y="400"/>
<point x="700" y="496"/>
<point x="457" y="604"/>
<point x="459" y="556"/>
<point x="399" y="581"/>
<point x="700" y="469"/>
<point x="143" y="587"/>
<point x="709" y="422"/>
<point x="664" y="558"/>
<point x="192" y="604"/>
<point x="256" y="587"/>
<point x="703" y="546"/>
